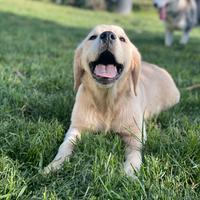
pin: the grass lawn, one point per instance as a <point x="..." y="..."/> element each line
<point x="37" y="41"/>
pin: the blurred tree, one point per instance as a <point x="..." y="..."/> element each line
<point x="59" y="1"/>
<point x="121" y="6"/>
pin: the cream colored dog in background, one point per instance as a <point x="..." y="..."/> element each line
<point x="116" y="91"/>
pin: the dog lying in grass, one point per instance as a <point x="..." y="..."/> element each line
<point x="116" y="91"/>
<point x="178" y="15"/>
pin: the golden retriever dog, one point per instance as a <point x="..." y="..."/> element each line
<point x="177" y="15"/>
<point x="115" y="91"/>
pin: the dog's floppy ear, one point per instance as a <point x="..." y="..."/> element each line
<point x="78" y="70"/>
<point x="135" y="67"/>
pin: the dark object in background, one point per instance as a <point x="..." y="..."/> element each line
<point x="198" y="11"/>
<point x="91" y="4"/>
<point x="120" y="6"/>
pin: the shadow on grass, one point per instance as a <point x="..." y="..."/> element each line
<point x="38" y="55"/>
<point x="36" y="61"/>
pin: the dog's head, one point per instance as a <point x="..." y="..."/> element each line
<point x="162" y="5"/>
<point x="106" y="55"/>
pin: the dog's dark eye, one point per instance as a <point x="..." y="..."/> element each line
<point x="122" y="39"/>
<point x="93" y="37"/>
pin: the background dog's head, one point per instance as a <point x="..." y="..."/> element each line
<point x="162" y="3"/>
<point x="106" y="55"/>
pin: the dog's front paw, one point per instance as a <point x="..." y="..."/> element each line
<point x="131" y="168"/>
<point x="55" y="165"/>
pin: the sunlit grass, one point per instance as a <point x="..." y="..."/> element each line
<point x="37" y="42"/>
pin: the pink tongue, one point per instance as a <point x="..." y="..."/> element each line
<point x="163" y="13"/>
<point x="106" y="71"/>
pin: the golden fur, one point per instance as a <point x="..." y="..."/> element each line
<point x="141" y="91"/>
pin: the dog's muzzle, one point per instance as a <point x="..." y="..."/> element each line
<point x="108" y="37"/>
<point x="106" y="69"/>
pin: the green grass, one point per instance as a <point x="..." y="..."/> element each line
<point x="37" y="41"/>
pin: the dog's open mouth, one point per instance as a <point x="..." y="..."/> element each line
<point x="105" y="69"/>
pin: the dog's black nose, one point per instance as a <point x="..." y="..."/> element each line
<point x="155" y="5"/>
<point x="108" y="36"/>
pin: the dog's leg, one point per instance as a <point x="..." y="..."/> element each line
<point x="64" y="150"/>
<point x="185" y="37"/>
<point x="168" y="38"/>
<point x="133" y="154"/>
